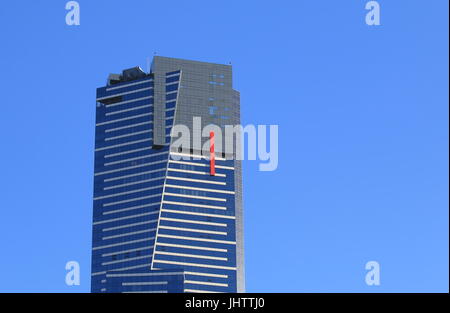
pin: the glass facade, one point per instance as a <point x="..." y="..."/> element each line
<point x="161" y="223"/>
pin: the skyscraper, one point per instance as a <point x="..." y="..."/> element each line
<point x="166" y="218"/>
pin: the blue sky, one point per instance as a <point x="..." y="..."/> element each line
<point x="363" y="132"/>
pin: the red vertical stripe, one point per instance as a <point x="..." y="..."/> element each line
<point x="212" y="155"/>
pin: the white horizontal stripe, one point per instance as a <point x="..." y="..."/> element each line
<point x="123" y="119"/>
<point x="171" y="92"/>
<point x="193" y="230"/>
<point x="201" y="164"/>
<point x="145" y="283"/>
<point x="224" y="167"/>
<point x="131" y="208"/>
<point x="196" y="180"/>
<point x="123" y="144"/>
<point x="192" y="221"/>
<point x="196" y="265"/>
<point x="127" y="251"/>
<point x="196" y="156"/>
<point x="206" y="274"/>
<point x="106" y="180"/>
<point x="129" y="225"/>
<point x="129" y="135"/>
<point x="196" y="205"/>
<point x="191" y="256"/>
<point x="131" y="267"/>
<point x="175" y="74"/>
<point x="193" y="172"/>
<point x="148" y="291"/>
<point x="128" y="126"/>
<point x="164" y="244"/>
<point x="127" y="152"/>
<point x="129" y="234"/>
<point x="201" y="291"/>
<point x="134" y="199"/>
<point x="194" y="197"/>
<point x="125" y="217"/>
<point x="122" y="243"/>
<point x="200" y="189"/>
<point x="129" y="85"/>
<point x="126" y="193"/>
<point x="205" y="283"/>
<point x="129" y="167"/>
<point x="144" y="274"/>
<point x="197" y="239"/>
<point x="136" y="158"/>
<point x="197" y="213"/>
<point x="127" y="260"/>
<point x="129" y="109"/>
<point x="124" y="93"/>
<point x="127" y="101"/>
<point x="98" y="273"/>
<point x="134" y="183"/>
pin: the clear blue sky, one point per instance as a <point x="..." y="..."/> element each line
<point x="363" y="122"/>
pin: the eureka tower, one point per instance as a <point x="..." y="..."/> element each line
<point x="166" y="219"/>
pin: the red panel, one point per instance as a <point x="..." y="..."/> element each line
<point x="212" y="155"/>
